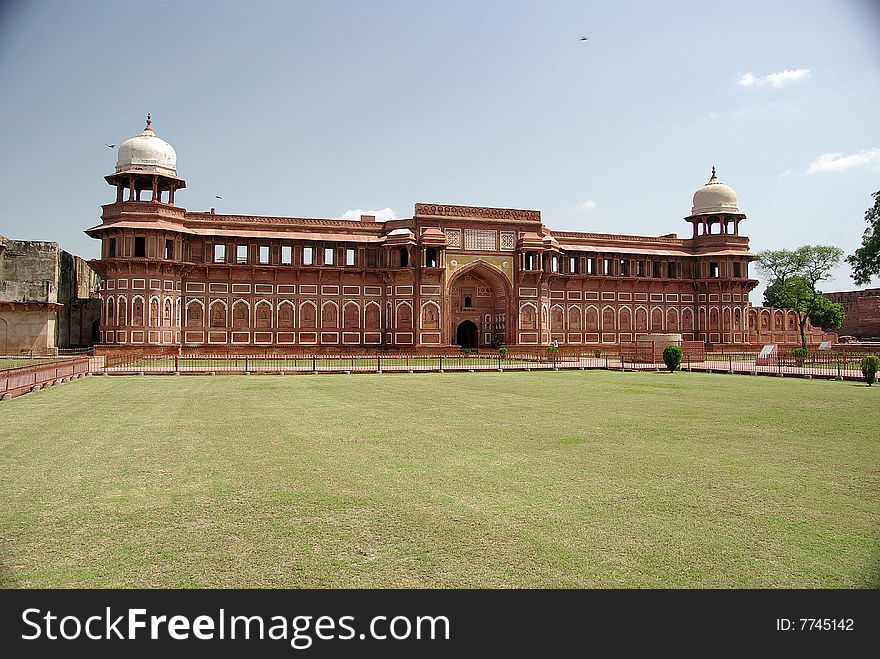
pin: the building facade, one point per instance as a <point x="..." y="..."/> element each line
<point x="448" y="276"/>
<point x="48" y="299"/>
<point x="861" y="312"/>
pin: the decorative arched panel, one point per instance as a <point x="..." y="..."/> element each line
<point x="263" y="315"/>
<point x="329" y="315"/>
<point x="574" y="318"/>
<point x="308" y="315"/>
<point x="557" y="318"/>
<point x="608" y="323"/>
<point x="430" y="315"/>
<point x="286" y="315"/>
<point x="625" y="319"/>
<point x="641" y="319"/>
<point x="591" y="319"/>
<point x="656" y="319"/>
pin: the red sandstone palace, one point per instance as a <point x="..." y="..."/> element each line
<point x="448" y="276"/>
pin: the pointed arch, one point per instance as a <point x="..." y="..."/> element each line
<point x="624" y="319"/>
<point x="608" y="320"/>
<point x="557" y="318"/>
<point x="430" y="315"/>
<point x="372" y="315"/>
<point x="217" y="312"/>
<point x="329" y="315"/>
<point x="167" y="312"/>
<point x="404" y="313"/>
<point x="286" y="311"/>
<point x="155" y="319"/>
<point x="308" y="314"/>
<point x="672" y="319"/>
<point x="575" y="320"/>
<point x="641" y="324"/>
<point x="195" y="313"/>
<point x="656" y="319"/>
<point x="241" y="314"/>
<point x="591" y="318"/>
<point x="351" y="315"/>
<point x="137" y="311"/>
<point x="263" y="314"/>
<point x="687" y="320"/>
<point x="528" y="316"/>
<point x="121" y="311"/>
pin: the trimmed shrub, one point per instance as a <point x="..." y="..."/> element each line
<point x="466" y="352"/>
<point x="552" y="350"/>
<point x="597" y="353"/>
<point x="870" y="366"/>
<point x="672" y="357"/>
<point x="503" y="352"/>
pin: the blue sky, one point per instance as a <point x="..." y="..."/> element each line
<point x="314" y="109"/>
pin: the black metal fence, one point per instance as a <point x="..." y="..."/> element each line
<point x="373" y="363"/>
<point x="821" y="364"/>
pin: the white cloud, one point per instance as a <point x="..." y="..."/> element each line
<point x="381" y="216"/>
<point x="780" y="79"/>
<point x="834" y="162"/>
<point x="588" y="205"/>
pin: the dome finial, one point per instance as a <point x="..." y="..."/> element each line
<point x="713" y="177"/>
<point x="149" y="123"/>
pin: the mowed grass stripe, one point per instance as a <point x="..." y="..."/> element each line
<point x="487" y="479"/>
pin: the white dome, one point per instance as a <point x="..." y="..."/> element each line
<point x="147" y="153"/>
<point x="714" y="197"/>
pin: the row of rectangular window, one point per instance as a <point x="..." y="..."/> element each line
<point x="308" y="255"/>
<point x="530" y="263"/>
<point x="623" y="267"/>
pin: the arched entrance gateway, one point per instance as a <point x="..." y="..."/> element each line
<point x="478" y="298"/>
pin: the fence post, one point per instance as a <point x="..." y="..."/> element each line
<point x="730" y="363"/>
<point x="839" y="376"/>
<point x="606" y="361"/>
<point x="313" y="364"/>
<point x="378" y="363"/>
<point x="176" y="364"/>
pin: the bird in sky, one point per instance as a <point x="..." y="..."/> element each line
<point x="584" y="38"/>
<point x="216" y="196"/>
<point x="109" y="146"/>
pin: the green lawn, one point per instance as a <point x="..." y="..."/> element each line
<point x="569" y="478"/>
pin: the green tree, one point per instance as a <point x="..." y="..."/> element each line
<point x="870" y="366"/>
<point x="794" y="278"/>
<point x="826" y="314"/>
<point x="865" y="262"/>
<point x="672" y="355"/>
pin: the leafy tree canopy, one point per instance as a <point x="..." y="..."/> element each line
<point x="865" y="262"/>
<point x="826" y="314"/>
<point x="794" y="278"/>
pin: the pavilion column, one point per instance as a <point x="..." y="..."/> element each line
<point x="155" y="187"/>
